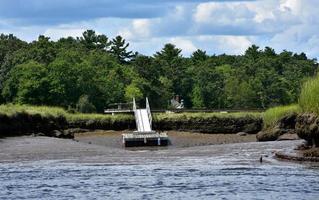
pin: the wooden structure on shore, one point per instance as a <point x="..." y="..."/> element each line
<point x="144" y="136"/>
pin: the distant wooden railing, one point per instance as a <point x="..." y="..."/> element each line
<point x="110" y="111"/>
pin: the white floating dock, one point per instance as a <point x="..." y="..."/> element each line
<point x="144" y="136"/>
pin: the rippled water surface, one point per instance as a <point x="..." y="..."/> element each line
<point x="230" y="175"/>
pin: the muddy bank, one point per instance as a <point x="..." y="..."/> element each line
<point x="298" y="156"/>
<point x="27" y="148"/>
<point x="212" y="125"/>
<point x="307" y="128"/>
<point x="27" y="124"/>
<point x="103" y="124"/>
<point x="305" y="125"/>
<point x="284" y="126"/>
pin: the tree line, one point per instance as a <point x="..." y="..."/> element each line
<point x="98" y="71"/>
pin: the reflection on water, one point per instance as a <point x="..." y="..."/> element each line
<point x="219" y="176"/>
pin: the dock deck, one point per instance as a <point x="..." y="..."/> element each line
<point x="145" y="139"/>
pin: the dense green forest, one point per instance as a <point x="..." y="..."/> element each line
<point x="96" y="71"/>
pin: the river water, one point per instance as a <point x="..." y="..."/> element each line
<point x="230" y="171"/>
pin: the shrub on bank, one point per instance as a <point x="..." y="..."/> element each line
<point x="272" y="116"/>
<point x="309" y="97"/>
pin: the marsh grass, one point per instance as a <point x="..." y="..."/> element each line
<point x="273" y="115"/>
<point x="187" y="116"/>
<point x="98" y="117"/>
<point x="10" y="109"/>
<point x="309" y="97"/>
<point x="46" y="111"/>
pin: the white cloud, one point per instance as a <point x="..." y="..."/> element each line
<point x="186" y="45"/>
<point x="139" y="29"/>
<point x="290" y="5"/>
<point x="234" y="44"/>
<point x="262" y="10"/>
<point x="224" y="44"/>
<point x="300" y="38"/>
<point x="56" y="33"/>
<point x="222" y="13"/>
<point x="178" y="13"/>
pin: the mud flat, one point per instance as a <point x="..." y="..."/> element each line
<point x="106" y="147"/>
<point x="178" y="139"/>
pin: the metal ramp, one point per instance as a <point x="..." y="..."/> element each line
<point x="142" y="120"/>
<point x="144" y="136"/>
<point x="143" y="117"/>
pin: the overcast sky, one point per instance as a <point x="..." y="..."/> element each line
<point x="214" y="26"/>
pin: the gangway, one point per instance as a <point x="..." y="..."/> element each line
<point x="144" y="136"/>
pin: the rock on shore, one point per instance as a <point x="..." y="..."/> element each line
<point x="286" y="125"/>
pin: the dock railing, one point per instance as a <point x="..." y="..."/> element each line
<point x="135" y="113"/>
<point x="149" y="112"/>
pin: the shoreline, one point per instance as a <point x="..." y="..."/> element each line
<point x="105" y="147"/>
<point x="21" y="120"/>
<point x="178" y="139"/>
<point x="294" y="157"/>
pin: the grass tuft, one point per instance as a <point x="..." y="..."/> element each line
<point x="309" y="97"/>
<point x="273" y="115"/>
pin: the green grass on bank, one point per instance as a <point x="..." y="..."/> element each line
<point x="186" y="116"/>
<point x="11" y="109"/>
<point x="98" y="117"/>
<point x="272" y="115"/>
<point x="309" y="97"/>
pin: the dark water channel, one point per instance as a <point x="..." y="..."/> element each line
<point x="213" y="172"/>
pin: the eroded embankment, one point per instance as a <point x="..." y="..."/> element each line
<point x="25" y="123"/>
<point x="307" y="128"/>
<point x="305" y="125"/>
<point x="214" y="124"/>
<point x="285" y="125"/>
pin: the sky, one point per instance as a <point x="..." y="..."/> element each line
<point x="216" y="26"/>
